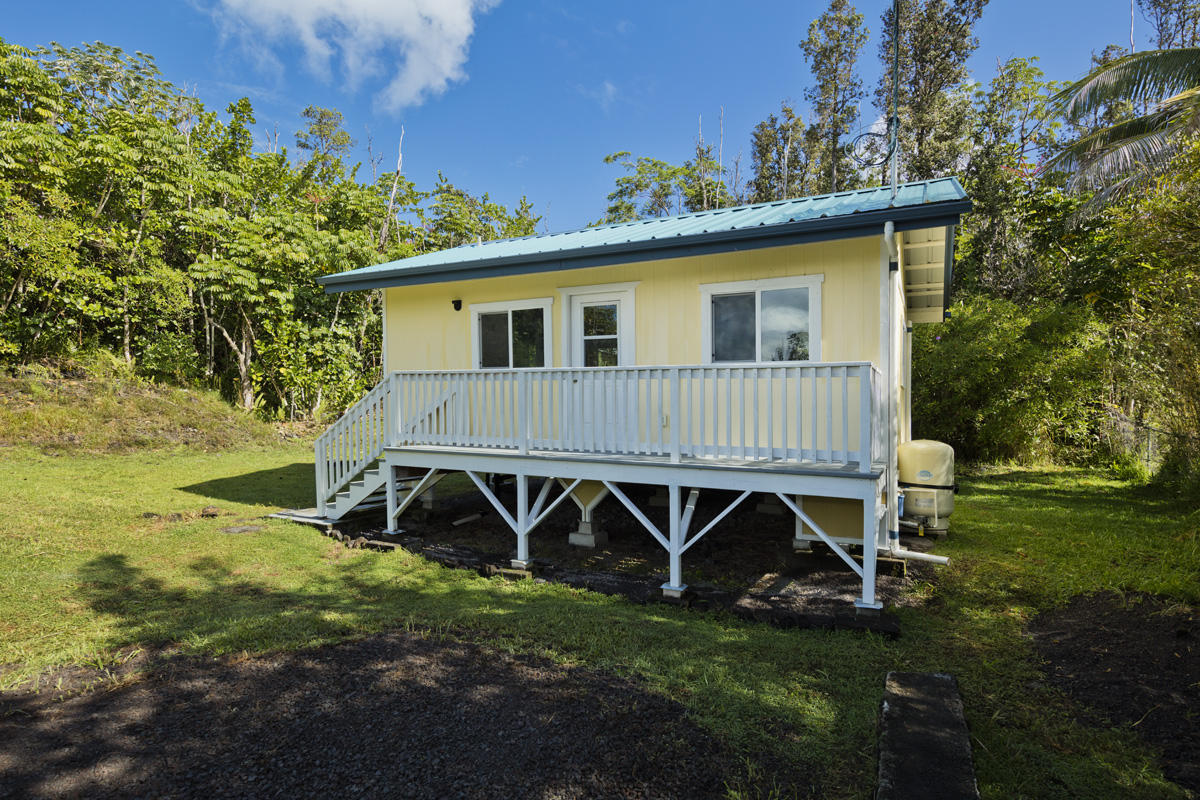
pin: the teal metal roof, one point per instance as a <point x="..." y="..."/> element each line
<point x="925" y="204"/>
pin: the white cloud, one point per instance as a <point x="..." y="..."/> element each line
<point x="419" y="46"/>
<point x="606" y="94"/>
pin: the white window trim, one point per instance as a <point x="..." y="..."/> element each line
<point x="544" y="303"/>
<point x="602" y="291"/>
<point x="810" y="282"/>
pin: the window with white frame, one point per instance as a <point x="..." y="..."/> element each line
<point x="777" y="319"/>
<point x="512" y="335"/>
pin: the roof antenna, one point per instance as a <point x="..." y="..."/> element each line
<point x="892" y="134"/>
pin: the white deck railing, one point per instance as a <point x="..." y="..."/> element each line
<point x="811" y="413"/>
<point x="825" y="414"/>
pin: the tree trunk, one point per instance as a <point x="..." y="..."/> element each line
<point x="242" y="359"/>
<point x="383" y="231"/>
<point x="128" y="325"/>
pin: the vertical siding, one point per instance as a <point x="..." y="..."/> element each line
<point x="425" y="332"/>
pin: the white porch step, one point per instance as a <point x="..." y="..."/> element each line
<point x="368" y="491"/>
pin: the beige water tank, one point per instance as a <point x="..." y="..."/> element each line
<point x="927" y="465"/>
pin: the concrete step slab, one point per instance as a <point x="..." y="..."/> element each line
<point x="924" y="744"/>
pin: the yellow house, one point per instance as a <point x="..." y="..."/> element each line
<point x="762" y="349"/>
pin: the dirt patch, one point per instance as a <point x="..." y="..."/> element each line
<point x="396" y="715"/>
<point x="1133" y="662"/>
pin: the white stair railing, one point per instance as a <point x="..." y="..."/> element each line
<point x="358" y="438"/>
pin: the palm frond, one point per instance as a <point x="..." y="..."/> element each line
<point x="1148" y="155"/>
<point x="1144" y="78"/>
<point x="1133" y="183"/>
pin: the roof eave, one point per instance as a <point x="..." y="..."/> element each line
<point x="805" y="231"/>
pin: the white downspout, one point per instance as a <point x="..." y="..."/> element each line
<point x="893" y="488"/>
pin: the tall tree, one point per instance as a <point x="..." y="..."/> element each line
<point x="936" y="39"/>
<point x="778" y="161"/>
<point x="326" y="140"/>
<point x="834" y="42"/>
<point x="1176" y="23"/>
<point x="1012" y="135"/>
<point x="704" y="179"/>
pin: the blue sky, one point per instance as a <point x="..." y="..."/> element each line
<point x="525" y="97"/>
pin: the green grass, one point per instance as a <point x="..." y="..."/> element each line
<point x="103" y="408"/>
<point x="85" y="578"/>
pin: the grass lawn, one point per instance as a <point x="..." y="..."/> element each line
<point x="86" y="578"/>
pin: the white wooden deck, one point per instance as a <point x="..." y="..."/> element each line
<point x="805" y="429"/>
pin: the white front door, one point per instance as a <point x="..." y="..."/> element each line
<point x="600" y="337"/>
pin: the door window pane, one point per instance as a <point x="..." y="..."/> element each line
<point x="529" y="338"/>
<point x="600" y="320"/>
<point x="733" y="327"/>
<point x="601" y="352"/>
<point x="493" y="340"/>
<point x="784" y="324"/>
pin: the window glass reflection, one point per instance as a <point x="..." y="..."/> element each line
<point x="733" y="327"/>
<point x="493" y="340"/>
<point x="784" y="324"/>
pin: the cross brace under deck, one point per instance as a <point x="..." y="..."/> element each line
<point x="675" y="540"/>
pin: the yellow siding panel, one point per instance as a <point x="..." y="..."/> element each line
<point x="425" y="332"/>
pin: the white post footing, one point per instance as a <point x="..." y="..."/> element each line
<point x="588" y="534"/>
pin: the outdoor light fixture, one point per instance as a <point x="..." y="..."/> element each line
<point x="457" y="304"/>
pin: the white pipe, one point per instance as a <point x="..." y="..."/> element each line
<point x="913" y="555"/>
<point x="889" y="236"/>
<point x="893" y="415"/>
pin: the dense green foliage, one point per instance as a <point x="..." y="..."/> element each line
<point x="135" y="220"/>
<point x="1001" y="381"/>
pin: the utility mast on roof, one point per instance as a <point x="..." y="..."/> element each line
<point x="892" y="135"/>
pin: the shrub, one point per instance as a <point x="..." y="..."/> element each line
<point x="1004" y="382"/>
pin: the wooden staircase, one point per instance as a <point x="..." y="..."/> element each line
<point x="368" y="491"/>
<point x="350" y="472"/>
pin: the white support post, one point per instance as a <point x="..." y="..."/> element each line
<point x="676" y="587"/>
<point x="522" y="561"/>
<point x="867" y="603"/>
<point x="588" y="533"/>
<point x="322" y="472"/>
<point x="866" y="444"/>
<point x="393" y="498"/>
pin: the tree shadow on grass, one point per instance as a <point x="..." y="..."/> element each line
<point x="215" y="608"/>
<point x="290" y="486"/>
<point x="389" y="716"/>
